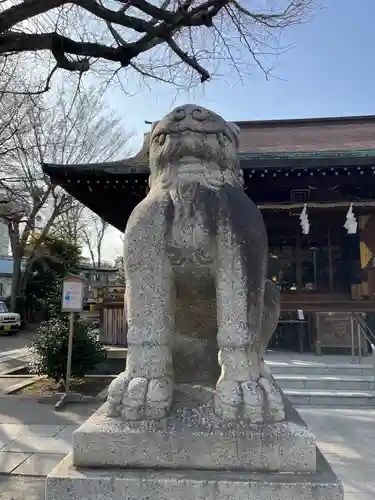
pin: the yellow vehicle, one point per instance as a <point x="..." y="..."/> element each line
<point x="9" y="322"/>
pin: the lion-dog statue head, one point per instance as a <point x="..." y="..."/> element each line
<point x="191" y="144"/>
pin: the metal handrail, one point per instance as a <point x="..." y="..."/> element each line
<point x="363" y="331"/>
<point x="359" y="317"/>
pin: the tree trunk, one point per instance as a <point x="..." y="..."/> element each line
<point x="16" y="280"/>
<point x="24" y="278"/>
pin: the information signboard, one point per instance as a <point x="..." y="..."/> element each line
<point x="72" y="302"/>
<point x="72" y="296"/>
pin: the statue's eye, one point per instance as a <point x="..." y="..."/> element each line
<point x="179" y="114"/>
<point x="199" y="114"/>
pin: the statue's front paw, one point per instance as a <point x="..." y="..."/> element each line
<point x="255" y="401"/>
<point x="139" y="398"/>
<point x="239" y="401"/>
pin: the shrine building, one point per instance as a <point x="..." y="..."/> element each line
<point x="322" y="168"/>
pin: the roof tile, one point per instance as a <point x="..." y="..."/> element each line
<point x="294" y="137"/>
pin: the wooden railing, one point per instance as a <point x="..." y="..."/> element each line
<point x="324" y="302"/>
<point x="113" y="326"/>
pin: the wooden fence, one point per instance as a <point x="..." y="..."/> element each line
<point x="113" y="325"/>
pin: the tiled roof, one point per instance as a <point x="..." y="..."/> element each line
<point x="308" y="135"/>
<point x="333" y="136"/>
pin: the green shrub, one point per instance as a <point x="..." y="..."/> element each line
<point x="49" y="349"/>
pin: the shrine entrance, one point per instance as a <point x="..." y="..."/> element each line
<point x="321" y="265"/>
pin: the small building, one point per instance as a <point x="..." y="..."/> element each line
<point x="322" y="166"/>
<point x="97" y="276"/>
<point x="6" y="272"/>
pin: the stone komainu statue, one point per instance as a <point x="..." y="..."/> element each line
<point x="197" y="223"/>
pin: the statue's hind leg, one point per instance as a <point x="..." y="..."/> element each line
<point x="239" y="314"/>
<point x="244" y="389"/>
<point x="270" y="318"/>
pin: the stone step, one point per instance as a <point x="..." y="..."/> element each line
<point x="330" y="399"/>
<point x="308" y="368"/>
<point x="326" y="382"/>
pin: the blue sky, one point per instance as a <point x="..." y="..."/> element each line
<point x="328" y="71"/>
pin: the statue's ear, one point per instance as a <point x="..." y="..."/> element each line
<point x="154" y="125"/>
<point x="235" y="129"/>
<point x="146" y="143"/>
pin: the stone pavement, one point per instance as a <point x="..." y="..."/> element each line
<point x="347" y="439"/>
<point x="13" y="350"/>
<point x="33" y="439"/>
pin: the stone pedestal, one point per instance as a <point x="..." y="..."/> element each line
<point x="192" y="437"/>
<point x="193" y="455"/>
<point x="67" y="483"/>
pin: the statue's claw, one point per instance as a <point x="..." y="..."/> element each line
<point x="273" y="400"/>
<point x="253" y="400"/>
<point x="139" y="398"/>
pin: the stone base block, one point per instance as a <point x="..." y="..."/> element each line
<point x="192" y="437"/>
<point x="66" y="482"/>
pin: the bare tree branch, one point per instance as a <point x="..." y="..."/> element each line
<point x="25" y="10"/>
<point x="70" y="224"/>
<point x="111" y="16"/>
<point x="93" y="237"/>
<point x="176" y="35"/>
<point x="74" y="128"/>
<point x="43" y="90"/>
<point x="191" y="61"/>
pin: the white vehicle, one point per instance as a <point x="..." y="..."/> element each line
<point x="9" y="322"/>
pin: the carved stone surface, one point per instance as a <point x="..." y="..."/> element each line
<point x="196" y="223"/>
<point x="193" y="437"/>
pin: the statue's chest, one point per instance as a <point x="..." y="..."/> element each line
<point x="189" y="240"/>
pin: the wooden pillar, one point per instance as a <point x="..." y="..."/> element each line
<point x="299" y="263"/>
<point x="318" y="344"/>
<point x="367" y="251"/>
<point x="330" y="270"/>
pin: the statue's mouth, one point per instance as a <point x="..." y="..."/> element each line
<point x="161" y="136"/>
<point x="188" y="160"/>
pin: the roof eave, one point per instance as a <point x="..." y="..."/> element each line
<point x="305" y="121"/>
<point x="248" y="161"/>
<point x="120" y="167"/>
